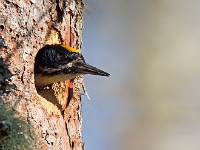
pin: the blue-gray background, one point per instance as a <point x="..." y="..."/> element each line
<point x="151" y="101"/>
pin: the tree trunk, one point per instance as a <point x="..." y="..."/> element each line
<point x="25" y="27"/>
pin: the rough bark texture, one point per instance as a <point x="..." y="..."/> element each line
<point x="25" y="27"/>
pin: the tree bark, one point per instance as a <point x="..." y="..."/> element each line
<point x="25" y="27"/>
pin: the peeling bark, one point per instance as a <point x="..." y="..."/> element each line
<point x="25" y="27"/>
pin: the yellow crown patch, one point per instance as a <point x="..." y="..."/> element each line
<point x="71" y="49"/>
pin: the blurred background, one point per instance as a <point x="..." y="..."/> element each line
<point x="151" y="101"/>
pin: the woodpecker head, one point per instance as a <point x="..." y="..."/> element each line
<point x="55" y="63"/>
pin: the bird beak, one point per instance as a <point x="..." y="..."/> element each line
<point x="84" y="68"/>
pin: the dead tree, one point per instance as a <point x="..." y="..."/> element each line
<point x="25" y="27"/>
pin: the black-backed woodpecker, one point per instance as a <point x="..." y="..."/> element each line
<point x="59" y="62"/>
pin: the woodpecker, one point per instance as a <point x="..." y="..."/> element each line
<point x="59" y="62"/>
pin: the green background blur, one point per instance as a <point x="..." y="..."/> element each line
<point x="151" y="101"/>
